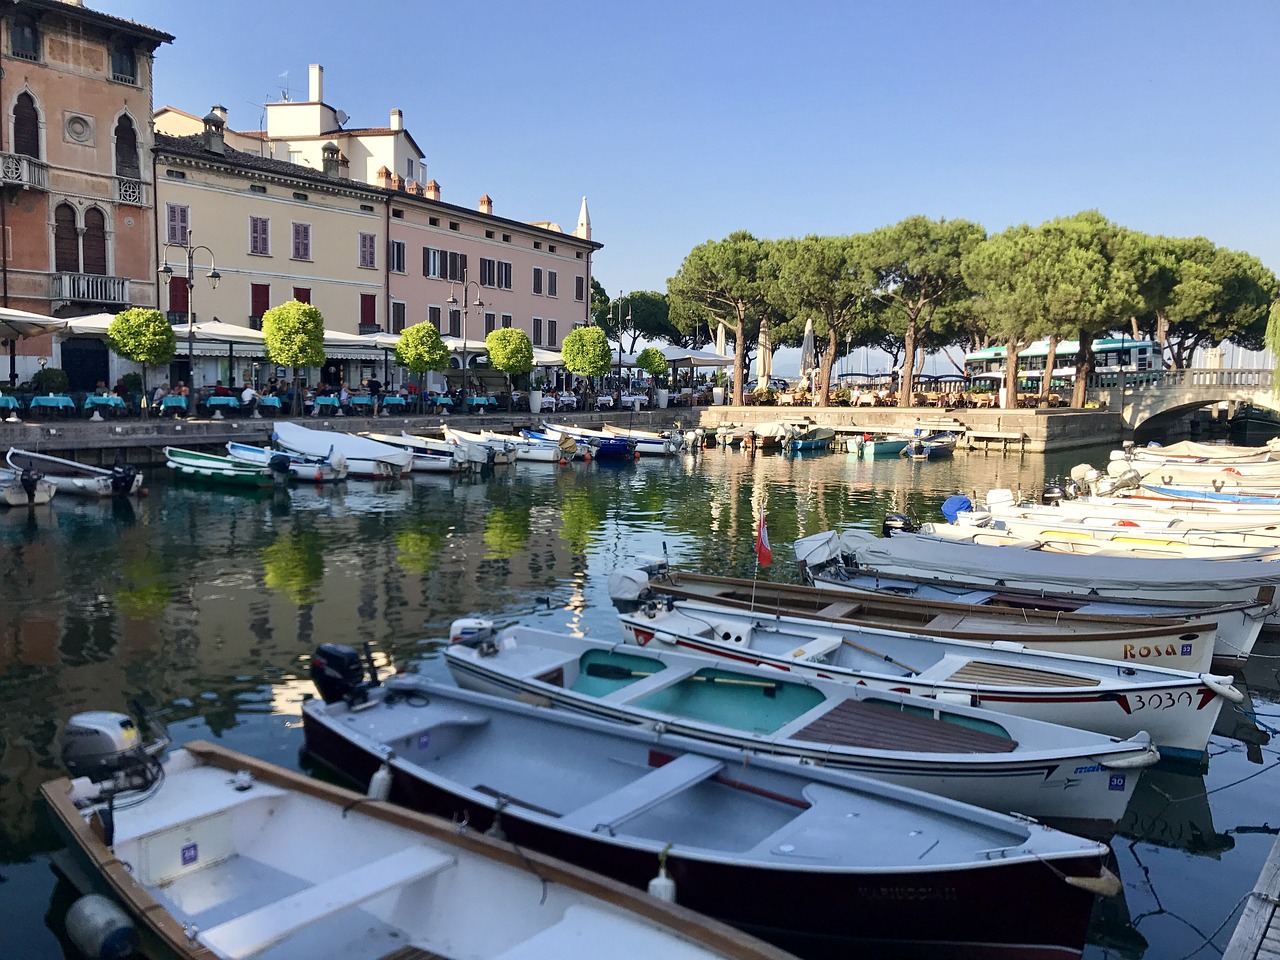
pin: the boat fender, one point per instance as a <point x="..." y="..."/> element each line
<point x="1106" y="884"/>
<point x="662" y="886"/>
<point x="1223" y="687"/>
<point x="1012" y="645"/>
<point x="956" y="696"/>
<point x="380" y="783"/>
<point x="100" y="929"/>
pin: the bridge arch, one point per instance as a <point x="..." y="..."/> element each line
<point x="1156" y="396"/>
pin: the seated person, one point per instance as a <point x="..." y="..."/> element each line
<point x="220" y="390"/>
<point x="249" y="398"/>
<point x="120" y="390"/>
<point x="162" y="391"/>
<point x="101" y="389"/>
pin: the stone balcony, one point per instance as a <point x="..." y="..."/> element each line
<point x="89" y="288"/>
<point x="27" y="172"/>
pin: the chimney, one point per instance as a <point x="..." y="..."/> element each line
<point x="315" y="87"/>
<point x="433" y="190"/>
<point x="412" y="187"/>
<point x="330" y="154"/>
<point x="221" y="112"/>
<point x="213" y="133"/>
<point x="397" y="182"/>
<point x="384" y="178"/>
<point x="486" y="205"/>
<point x="397" y="120"/>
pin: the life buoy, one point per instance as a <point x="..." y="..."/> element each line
<point x="1231" y="470"/>
<point x="1124" y="523"/>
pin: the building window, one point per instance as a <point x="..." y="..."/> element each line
<point x="396" y="264"/>
<point x="490" y="323"/>
<point x="537" y="280"/>
<point x="259" y="236"/>
<point x="178" y="221"/>
<point x="457" y="267"/>
<point x="66" y="240"/>
<point x="537" y="331"/>
<point x="488" y="272"/>
<point x="455" y="323"/>
<point x="366" y="207"/>
<point x="488" y="234"/>
<point x="578" y="254"/>
<point x="298" y="195"/>
<point x="26" y="126"/>
<point x="257" y="188"/>
<point x="127" y="150"/>
<point x="506" y="321"/>
<point x="454" y="225"/>
<point x="551" y="248"/>
<point x="259" y="303"/>
<point x="24" y="38"/>
<point x="579" y="288"/>
<point x="397" y="214"/>
<point x="504" y="275"/>
<point x="302" y="294"/>
<point x="408" y="169"/>
<point x="368" y="310"/>
<point x="179" y="297"/>
<point x="397" y="316"/>
<point x="124" y="65"/>
<point x="369" y="251"/>
<point x="432" y="260"/>
<point x="295" y="156"/>
<point x="551" y="333"/>
<point x="506" y="238"/>
<point x="433" y="221"/>
<point x="551" y="283"/>
<point x="537" y="244"/>
<point x="302" y="241"/>
<point x="175" y="175"/>
<point x="433" y="316"/>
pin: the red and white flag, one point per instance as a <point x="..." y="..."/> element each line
<point x="763" y="554"/>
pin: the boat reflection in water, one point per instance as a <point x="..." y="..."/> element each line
<point x="1171" y="809"/>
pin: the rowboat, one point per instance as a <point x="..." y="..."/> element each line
<point x="1177" y="708"/>
<point x="503" y="451"/>
<point x="365" y="458"/>
<point x="305" y="469"/>
<point x="758" y="842"/>
<point x="224" y="471"/>
<point x="908" y="556"/>
<point x="673" y="440"/>
<point x="602" y="445"/>
<point x="77" y="479"/>
<point x="812" y="438"/>
<point x="1072" y="779"/>
<point x="1218" y="493"/>
<point x="25" y="488"/>
<point x="230" y="857"/>
<point x="873" y="447"/>
<point x="531" y="450"/>
<point x="1136" y="511"/>
<point x="432" y="456"/>
<point x="1171" y="641"/>
<point x="757" y="436"/>
<point x="643" y="442"/>
<point x="935" y="446"/>
<point x="1189" y="451"/>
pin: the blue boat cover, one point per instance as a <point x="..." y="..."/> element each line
<point x="954" y="505"/>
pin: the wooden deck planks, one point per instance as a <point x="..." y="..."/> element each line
<point x="1012" y="675"/>
<point x="855" y="723"/>
<point x="1257" y="934"/>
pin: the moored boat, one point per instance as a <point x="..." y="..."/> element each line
<point x="1000" y="762"/>
<point x="77" y="479"/>
<point x="25" y="488"/>
<point x="531" y="450"/>
<point x="329" y="469"/>
<point x="602" y="445"/>
<point x="435" y="454"/>
<point x="870" y="446"/>
<point x="224" y="471"/>
<point x="365" y="458"/>
<point x="504" y="451"/>
<point x="218" y="855"/>
<point x="935" y="446"/>
<point x="811" y="438"/>
<point x="920" y="876"/>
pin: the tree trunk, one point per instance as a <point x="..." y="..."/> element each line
<point x="297" y="394"/>
<point x="142" y="403"/>
<point x="824" y="370"/>
<point x="1011" y="351"/>
<point x="1084" y="369"/>
<point x="738" y="368"/>
<point x="1046" y="382"/>
<point x="907" y="385"/>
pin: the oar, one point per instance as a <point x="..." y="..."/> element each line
<point x="611" y="671"/>
<point x="880" y="656"/>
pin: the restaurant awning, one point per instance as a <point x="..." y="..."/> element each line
<point x="16" y="324"/>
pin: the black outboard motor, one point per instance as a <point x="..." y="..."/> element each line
<point x="338" y="674"/>
<point x="1053" y="494"/>
<point x="122" y="479"/>
<point x="897" y="522"/>
<point x="278" y="464"/>
<point x="29" y="480"/>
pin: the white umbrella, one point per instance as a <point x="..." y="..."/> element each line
<point x="720" y="344"/>
<point x="808" y="353"/>
<point x="16" y="324"/>
<point x="764" y="364"/>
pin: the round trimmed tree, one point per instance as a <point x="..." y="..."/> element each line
<point x="143" y="336"/>
<point x="653" y="362"/>
<point x="511" y="351"/>
<point x="421" y="350"/>
<point x="586" y="352"/>
<point x="294" y="337"/>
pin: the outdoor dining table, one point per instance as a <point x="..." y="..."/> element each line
<point x="54" y="401"/>
<point x="394" y="402"/>
<point x="110" y="402"/>
<point x="362" y="401"/>
<point x="333" y="402"/>
<point x="8" y="403"/>
<point x="481" y="402"/>
<point x="271" y="401"/>
<point x="175" y="403"/>
<point x="231" y="403"/>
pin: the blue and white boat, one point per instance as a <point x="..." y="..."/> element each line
<point x="302" y="468"/>
<point x="600" y="444"/>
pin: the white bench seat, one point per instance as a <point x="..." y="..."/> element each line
<point x="266" y="926"/>
<point x="614" y="809"/>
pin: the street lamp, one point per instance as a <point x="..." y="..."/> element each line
<point x="166" y="274"/>
<point x="453" y="302"/>
<point x="618" y="325"/>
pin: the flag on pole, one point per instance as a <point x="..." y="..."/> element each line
<point x="763" y="554"/>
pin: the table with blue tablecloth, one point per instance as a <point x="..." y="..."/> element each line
<point x="172" y="403"/>
<point x="330" y="405"/>
<point x="398" y="402"/>
<point x="113" y="404"/>
<point x="484" y="403"/>
<point x="364" y="402"/>
<point x="58" y="402"/>
<point x="8" y="403"/>
<point x="272" y="401"/>
<point x="214" y="403"/>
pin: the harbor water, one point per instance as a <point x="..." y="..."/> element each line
<point x="206" y="605"/>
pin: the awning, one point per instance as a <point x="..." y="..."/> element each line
<point x="681" y="357"/>
<point x="16" y="324"/>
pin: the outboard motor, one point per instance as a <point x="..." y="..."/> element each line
<point x="338" y="674"/>
<point x="951" y="508"/>
<point x="105" y="754"/>
<point x="1080" y="473"/>
<point x="278" y="464"/>
<point x="123" y="476"/>
<point x="897" y="522"/>
<point x="474" y="632"/>
<point x="1053" y="495"/>
<point x="1129" y="480"/>
<point x="629" y="589"/>
<point x="30" y="481"/>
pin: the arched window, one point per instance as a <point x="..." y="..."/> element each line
<point x="95" y="242"/>
<point x="66" y="243"/>
<point x="127" y="150"/>
<point x="24" y="38"/>
<point x="124" y="64"/>
<point x="26" y="126"/>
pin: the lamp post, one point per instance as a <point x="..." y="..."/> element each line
<point x="618" y="325"/>
<point x="166" y="274"/>
<point x="453" y="302"/>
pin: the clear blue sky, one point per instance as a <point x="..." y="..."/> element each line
<point x="682" y="122"/>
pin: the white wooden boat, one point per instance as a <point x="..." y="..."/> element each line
<point x="537" y="451"/>
<point x="1189" y="451"/>
<point x="674" y="440"/>
<point x="466" y="456"/>
<point x="329" y="469"/>
<point x="1172" y="641"/>
<point x="873" y="447"/>
<point x="602" y="445"/>
<point x="429" y="456"/>
<point x="1265" y="476"/>
<point x="365" y="458"/>
<point x="1124" y="578"/>
<point x="1136" y="511"/>
<point x="935" y="446"/>
<point x="211" y="468"/>
<point x="229" y="857"/>
<point x="504" y="452"/>
<point x="761" y="843"/>
<point x="74" y="479"/>
<point x="1225" y="492"/>
<point x="1000" y="762"/>
<point x="25" y="488"/>
<point x="1176" y="707"/>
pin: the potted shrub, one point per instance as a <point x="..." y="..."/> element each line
<point x="535" y="394"/>
<point x="654" y="363"/>
<point x="717" y="387"/>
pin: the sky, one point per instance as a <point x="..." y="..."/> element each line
<point x="681" y="122"/>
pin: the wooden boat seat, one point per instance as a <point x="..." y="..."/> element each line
<point x="884" y="725"/>
<point x="614" y="809"/>
<point x="254" y="932"/>
<point x="995" y="674"/>
<point x="814" y="649"/>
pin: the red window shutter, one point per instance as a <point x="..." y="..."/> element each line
<point x="302" y="294"/>
<point x="95" y="242"/>
<point x="66" y="243"/>
<point x="259" y="299"/>
<point x="178" y="294"/>
<point x="368" y="308"/>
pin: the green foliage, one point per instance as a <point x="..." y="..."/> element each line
<point x="421" y="350"/>
<point x="510" y="350"/>
<point x="132" y="382"/>
<point x="294" y="335"/>
<point x="599" y="303"/>
<point x="143" y="336"/>
<point x="652" y="362"/>
<point x="586" y="352"/>
<point x="50" y="380"/>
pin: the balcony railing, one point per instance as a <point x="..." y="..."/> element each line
<point x="28" y="172"/>
<point x="89" y="288"/>
<point x="131" y="191"/>
<point x="368" y="328"/>
<point x="179" y="318"/>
